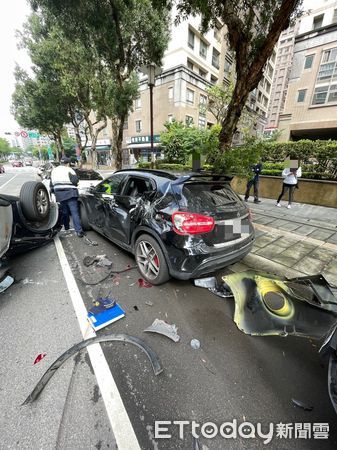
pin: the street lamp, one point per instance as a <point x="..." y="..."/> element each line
<point x="151" y="70"/>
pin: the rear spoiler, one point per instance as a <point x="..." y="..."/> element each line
<point x="203" y="177"/>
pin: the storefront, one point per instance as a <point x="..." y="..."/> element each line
<point x="139" y="149"/>
<point x="103" y="149"/>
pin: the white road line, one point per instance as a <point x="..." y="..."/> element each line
<point x="121" y="425"/>
<point x="3" y="185"/>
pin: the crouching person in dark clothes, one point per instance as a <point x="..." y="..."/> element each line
<point x="63" y="183"/>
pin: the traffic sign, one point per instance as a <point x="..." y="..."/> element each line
<point x="24" y="134"/>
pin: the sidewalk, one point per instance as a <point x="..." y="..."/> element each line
<point x="293" y="242"/>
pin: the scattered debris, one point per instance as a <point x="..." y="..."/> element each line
<point x="195" y="344"/>
<point x="39" y="358"/>
<point x="90" y="242"/>
<point x="6" y="283"/>
<point x="148" y="303"/>
<point x="144" y="283"/>
<point x="100" y="260"/>
<point x="164" y="328"/>
<point x="155" y="361"/>
<point x="302" y="405"/>
<point x="136" y="308"/>
<point x="105" y="312"/>
<point x="128" y="267"/>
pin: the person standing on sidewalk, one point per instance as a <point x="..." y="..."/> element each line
<point x="290" y="180"/>
<point x="256" y="169"/>
<point x="64" y="183"/>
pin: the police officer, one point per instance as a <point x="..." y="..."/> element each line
<point x="64" y="183"/>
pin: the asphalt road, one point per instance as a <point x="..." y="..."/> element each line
<point x="232" y="376"/>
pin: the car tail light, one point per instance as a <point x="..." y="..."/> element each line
<point x="190" y="223"/>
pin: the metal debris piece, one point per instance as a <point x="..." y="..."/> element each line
<point x="302" y="405"/>
<point x="39" y="358"/>
<point x="195" y="344"/>
<point x="6" y="283"/>
<point x="90" y="242"/>
<point x="155" y="361"/>
<point x="148" y="303"/>
<point x="211" y="283"/>
<point x="89" y="260"/>
<point x="103" y="261"/>
<point x="164" y="328"/>
<point x="144" y="283"/>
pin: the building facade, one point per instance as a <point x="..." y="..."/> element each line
<point x="310" y="110"/>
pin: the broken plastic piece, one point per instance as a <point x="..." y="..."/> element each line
<point x="144" y="283"/>
<point x="302" y="405"/>
<point x="90" y="242"/>
<point x="195" y="344"/>
<point x="148" y="303"/>
<point x="164" y="328"/>
<point x="39" y="358"/>
<point x="89" y="260"/>
<point x="6" y="283"/>
<point x="103" y="261"/>
<point x="211" y="283"/>
<point x="155" y="361"/>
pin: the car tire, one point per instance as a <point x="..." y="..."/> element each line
<point x="84" y="218"/>
<point x="155" y="269"/>
<point x="34" y="201"/>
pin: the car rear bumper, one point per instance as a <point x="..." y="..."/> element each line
<point x="202" y="264"/>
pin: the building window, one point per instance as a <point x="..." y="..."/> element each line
<point x="189" y="121"/>
<point x="308" y="61"/>
<point x="170" y="93"/>
<point x="329" y="55"/>
<point x="217" y="32"/>
<point x="202" y="122"/>
<point x="138" y="103"/>
<point x="190" y="38"/>
<point x="203" y="49"/>
<point x="190" y="96"/>
<point x="202" y="73"/>
<point x="203" y="99"/>
<point x="189" y="65"/>
<point x="214" y="79"/>
<point x="138" y="126"/>
<point x="170" y="118"/>
<point x="320" y="95"/>
<point x="228" y="66"/>
<point x="215" y="58"/>
<point x="318" y="22"/>
<point x="268" y="86"/>
<point x="202" y="105"/>
<point x="301" y="95"/>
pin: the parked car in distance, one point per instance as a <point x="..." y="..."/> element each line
<point x="2" y="169"/>
<point x="181" y="227"/>
<point x="28" y="162"/>
<point x="17" y="163"/>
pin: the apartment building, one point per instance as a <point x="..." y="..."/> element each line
<point x="283" y="64"/>
<point x="310" y="110"/>
<point x="192" y="62"/>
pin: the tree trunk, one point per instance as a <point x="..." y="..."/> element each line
<point x="234" y="111"/>
<point x="119" y="143"/>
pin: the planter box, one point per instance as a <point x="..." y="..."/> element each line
<point x="314" y="192"/>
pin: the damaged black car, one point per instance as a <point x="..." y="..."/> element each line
<point x="26" y="222"/>
<point x="179" y="227"/>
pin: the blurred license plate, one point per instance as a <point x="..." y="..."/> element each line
<point x="232" y="226"/>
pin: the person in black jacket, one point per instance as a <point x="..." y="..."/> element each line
<point x="254" y="181"/>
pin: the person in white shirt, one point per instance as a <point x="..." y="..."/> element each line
<point x="290" y="180"/>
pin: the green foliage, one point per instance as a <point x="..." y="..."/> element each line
<point x="4" y="147"/>
<point x="180" y="141"/>
<point x="165" y="166"/>
<point x="237" y="161"/>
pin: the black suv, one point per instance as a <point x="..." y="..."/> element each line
<point x="182" y="227"/>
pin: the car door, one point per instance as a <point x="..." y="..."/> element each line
<point x="100" y="200"/>
<point x="125" y="203"/>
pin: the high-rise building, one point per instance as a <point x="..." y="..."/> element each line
<point x="310" y="110"/>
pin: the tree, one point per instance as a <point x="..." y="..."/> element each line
<point x="179" y="142"/>
<point x="253" y="28"/>
<point x="40" y="105"/>
<point x="126" y="35"/>
<point x="4" y="147"/>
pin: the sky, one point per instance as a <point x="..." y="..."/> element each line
<point x="13" y="15"/>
